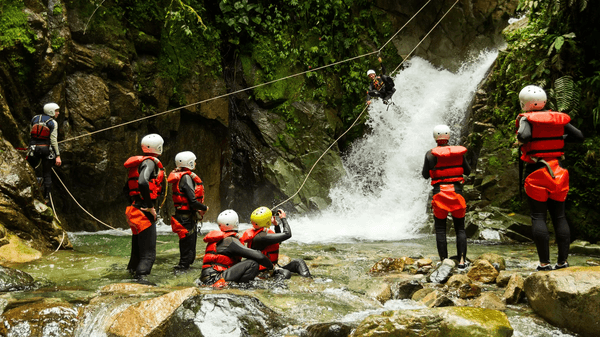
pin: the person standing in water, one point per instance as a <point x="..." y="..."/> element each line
<point x="446" y="165"/>
<point x="541" y="136"/>
<point x="43" y="146"/>
<point x="144" y="186"/>
<point x="188" y="199"/>
<point x="261" y="238"/>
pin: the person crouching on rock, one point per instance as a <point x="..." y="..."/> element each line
<point x="263" y="239"/>
<point x="446" y="165"/>
<point x="222" y="262"/>
<point x="188" y="199"/>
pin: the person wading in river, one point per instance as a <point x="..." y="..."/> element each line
<point x="446" y="165"/>
<point x="261" y="238"/>
<point x="222" y="262"/>
<point x="188" y="198"/>
<point x="541" y="136"/>
<point x="43" y="146"/>
<point x="144" y="186"/>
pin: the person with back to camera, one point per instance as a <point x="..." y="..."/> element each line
<point x="188" y="199"/>
<point x="446" y="165"/>
<point x="43" y="145"/>
<point x="222" y="262"/>
<point x="263" y="239"/>
<point x="144" y="186"/>
<point x="541" y="136"/>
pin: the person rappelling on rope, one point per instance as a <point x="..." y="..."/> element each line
<point x="446" y="165"/>
<point x="43" y="145"/>
<point x="145" y="182"/>
<point x="381" y="86"/>
<point x="188" y="199"/>
<point x="541" y="135"/>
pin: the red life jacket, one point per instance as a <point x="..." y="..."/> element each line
<point x="547" y="130"/>
<point x="271" y="251"/>
<point x="448" y="168"/>
<point x="179" y="199"/>
<point x="218" y="262"/>
<point x="155" y="184"/>
<point x="40" y="130"/>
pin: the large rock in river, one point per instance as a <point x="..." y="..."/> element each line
<point x="568" y="298"/>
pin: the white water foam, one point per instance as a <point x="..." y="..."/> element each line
<point x="383" y="195"/>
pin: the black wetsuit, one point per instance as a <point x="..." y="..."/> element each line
<point x="188" y="219"/>
<point x="143" y="244"/>
<point x="382" y="86"/>
<point x="263" y="239"/>
<point x="538" y="209"/>
<point x="45" y="151"/>
<point x="243" y="271"/>
<point x="440" y="224"/>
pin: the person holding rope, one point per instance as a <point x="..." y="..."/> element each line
<point x="188" y="198"/>
<point x="43" y="146"/>
<point x="222" y="262"/>
<point x="263" y="239"/>
<point x="446" y="165"/>
<point x="144" y="187"/>
<point x="541" y="136"/>
<point x="381" y="86"/>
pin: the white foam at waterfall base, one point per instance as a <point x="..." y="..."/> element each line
<point x="383" y="195"/>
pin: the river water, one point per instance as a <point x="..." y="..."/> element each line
<point x="378" y="210"/>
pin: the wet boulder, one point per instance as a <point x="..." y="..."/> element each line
<point x="13" y="279"/>
<point x="483" y="271"/>
<point x="584" y="248"/>
<point x="46" y="318"/>
<point x="451" y="321"/>
<point x="489" y="300"/>
<point x="494" y="259"/>
<point x="442" y="273"/>
<point x="328" y="330"/>
<point x="437" y="298"/>
<point x="388" y="264"/>
<point x="567" y="298"/>
<point x="405" y="289"/>
<point x="514" y="289"/>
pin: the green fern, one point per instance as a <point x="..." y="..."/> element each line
<point x="567" y="95"/>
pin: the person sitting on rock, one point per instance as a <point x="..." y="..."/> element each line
<point x="222" y="262"/>
<point x="381" y="86"/>
<point x="541" y="136"/>
<point x="261" y="238"/>
<point x="446" y="165"/>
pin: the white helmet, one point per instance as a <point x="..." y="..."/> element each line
<point x="50" y="109"/>
<point x="228" y="220"/>
<point x="152" y="144"/>
<point x="441" y="132"/>
<point x="371" y="71"/>
<point x="532" y="98"/>
<point x="185" y="159"/>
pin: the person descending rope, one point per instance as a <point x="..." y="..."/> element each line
<point x="261" y="238"/>
<point x="43" y="145"/>
<point x="446" y="165"/>
<point x="222" y="262"/>
<point x="541" y="136"/>
<point x="188" y="198"/>
<point x="144" y="187"/>
<point x="381" y="86"/>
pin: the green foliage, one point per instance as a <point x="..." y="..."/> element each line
<point x="558" y="51"/>
<point x="14" y="30"/>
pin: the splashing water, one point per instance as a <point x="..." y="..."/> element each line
<point x="383" y="195"/>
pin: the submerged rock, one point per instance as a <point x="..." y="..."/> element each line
<point x="451" y="321"/>
<point x="13" y="279"/>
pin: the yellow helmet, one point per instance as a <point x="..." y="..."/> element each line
<point x="261" y="217"/>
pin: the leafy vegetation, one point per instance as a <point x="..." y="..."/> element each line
<point x="558" y="51"/>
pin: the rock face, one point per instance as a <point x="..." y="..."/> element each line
<point x="103" y="74"/>
<point x="450" y="321"/>
<point x="567" y="298"/>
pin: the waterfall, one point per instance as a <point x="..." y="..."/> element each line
<point x="383" y="195"/>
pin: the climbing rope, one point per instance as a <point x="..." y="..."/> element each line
<point x="78" y="204"/>
<point x="365" y="109"/>
<point x="257" y="86"/>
